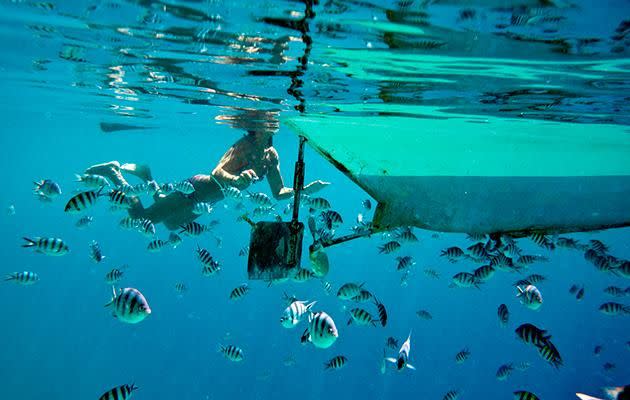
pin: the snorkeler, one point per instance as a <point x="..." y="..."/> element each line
<point x="250" y="159"/>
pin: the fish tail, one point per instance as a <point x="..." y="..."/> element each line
<point x="220" y="348"/>
<point x="78" y="177"/>
<point x="133" y="387"/>
<point x="350" y="321"/>
<point x="10" y="277"/>
<point x="98" y="193"/>
<point x="38" y="185"/>
<point x="29" y="242"/>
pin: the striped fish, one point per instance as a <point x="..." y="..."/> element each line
<point x="349" y="290"/>
<point x="363" y="296"/>
<point x="193" y="228"/>
<point x="47" y="188"/>
<point x="431" y="273"/>
<point x="243" y="251"/>
<point x="504" y="315"/>
<point x="230" y="192"/>
<point x="542" y="240"/>
<point x="525" y="395"/>
<point x="478" y="252"/>
<point x="530" y="297"/>
<point x="504" y="371"/>
<point x="327" y="287"/>
<point x="527" y="259"/>
<point x="336" y="362"/>
<point x="317" y="203"/>
<point x="92" y="181"/>
<point x="146" y="227"/>
<point x="484" y="273"/>
<point x="389" y="247"/>
<point x="404" y="262"/>
<point x="402" y="361"/>
<point x="232" y="353"/>
<point x="465" y="280"/>
<point x="184" y="187"/>
<point x="322" y="331"/>
<point x="129" y="305"/>
<point x="239" y="291"/>
<point x="201" y="208"/>
<point x="47" y="246"/>
<point x="204" y="256"/>
<point x="260" y="199"/>
<point x="331" y="219"/>
<point x="451" y="395"/>
<point x="181" y="287"/>
<point x="114" y="276"/>
<point x="453" y="254"/>
<point x="598" y="246"/>
<point x="303" y="275"/>
<point x="361" y="317"/>
<point x="24" y="278"/>
<point x="531" y="334"/>
<point x="611" y="308"/>
<point x="382" y="312"/>
<point x="406" y="235"/>
<point x="82" y="201"/>
<point x="84" y="222"/>
<point x="293" y="314"/>
<point x="129" y="223"/>
<point x="156" y="245"/>
<point x="96" y="254"/>
<point x="549" y="352"/>
<point x="119" y="199"/>
<point x="424" y="314"/>
<point x="462" y="356"/>
<point x="123" y="392"/>
<point x="615" y="291"/>
<point x="210" y="269"/>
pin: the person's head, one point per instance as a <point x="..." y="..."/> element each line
<point x="262" y="137"/>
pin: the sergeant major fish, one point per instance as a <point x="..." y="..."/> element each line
<point x="24" y="278"/>
<point x="530" y="297"/>
<point x="129" y="305"/>
<point x="321" y="331"/>
<point x="47" y="246"/>
<point x="402" y="361"/>
<point x="123" y="392"/>
<point x="47" y="188"/>
<point x="293" y="314"/>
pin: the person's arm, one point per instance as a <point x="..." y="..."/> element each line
<point x="240" y="181"/>
<point x="276" y="183"/>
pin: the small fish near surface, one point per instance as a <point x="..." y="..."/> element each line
<point x="156" y="245"/>
<point x="47" y="188"/>
<point x="23" y="278"/>
<point x="82" y="201"/>
<point x="92" y="181"/>
<point x="321" y="332"/>
<point x="349" y="290"/>
<point x="84" y="222"/>
<point x="232" y="353"/>
<point x="525" y="395"/>
<point x="336" y="362"/>
<point x="361" y="317"/>
<point x="504" y="372"/>
<point x="239" y="292"/>
<point x="293" y="314"/>
<point x="47" y="246"/>
<point x="193" y="229"/>
<point x="462" y="356"/>
<point x="129" y="305"/>
<point x="451" y="395"/>
<point x="96" y="254"/>
<point x="504" y="315"/>
<point x="402" y="361"/>
<point x="114" y="276"/>
<point x="382" y="312"/>
<point x="530" y="297"/>
<point x="123" y="392"/>
<point x="389" y="247"/>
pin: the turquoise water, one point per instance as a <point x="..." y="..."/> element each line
<point x="182" y="79"/>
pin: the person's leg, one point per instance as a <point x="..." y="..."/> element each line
<point x="140" y="170"/>
<point x="111" y="171"/>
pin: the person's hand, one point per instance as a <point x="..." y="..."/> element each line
<point x="315" y="186"/>
<point x="245" y="178"/>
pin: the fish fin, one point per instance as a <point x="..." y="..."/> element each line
<point x="391" y="360"/>
<point x="586" y="397"/>
<point x="350" y="321"/>
<point x="310" y="305"/>
<point x="411" y="367"/>
<point x="9" y="277"/>
<point x="78" y="177"/>
<point x="520" y="291"/>
<point x="29" y="242"/>
<point x="113" y="298"/>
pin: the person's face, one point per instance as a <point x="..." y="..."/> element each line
<point x="262" y="137"/>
